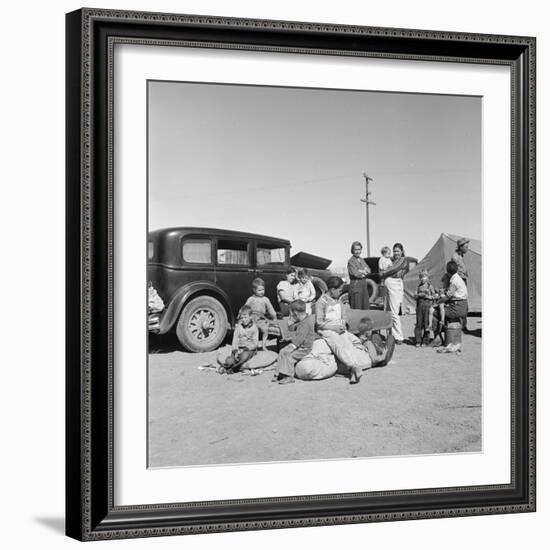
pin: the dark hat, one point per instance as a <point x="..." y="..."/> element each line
<point x="462" y="241"/>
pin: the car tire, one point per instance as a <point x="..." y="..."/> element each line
<point x="373" y="292"/>
<point x="202" y="324"/>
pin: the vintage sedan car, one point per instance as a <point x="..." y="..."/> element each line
<point x="205" y="275"/>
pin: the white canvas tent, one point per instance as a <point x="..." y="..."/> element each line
<point x="435" y="262"/>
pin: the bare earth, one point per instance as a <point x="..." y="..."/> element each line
<point x="422" y="403"/>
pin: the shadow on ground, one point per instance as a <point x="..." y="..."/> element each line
<point x="55" y="524"/>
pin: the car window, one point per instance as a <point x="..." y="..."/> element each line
<point x="270" y="254"/>
<point x="197" y="251"/>
<point x="232" y="252"/>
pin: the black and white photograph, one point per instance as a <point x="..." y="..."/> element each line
<point x="314" y="274"/>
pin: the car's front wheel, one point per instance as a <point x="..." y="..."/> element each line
<point x="202" y="324"/>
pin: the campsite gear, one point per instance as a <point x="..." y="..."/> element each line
<point x="154" y="301"/>
<point x="237" y="359"/>
<point x="260" y="360"/>
<point x="319" y="364"/>
<point x="450" y="348"/>
<point x="454" y="333"/>
<point x="435" y="262"/>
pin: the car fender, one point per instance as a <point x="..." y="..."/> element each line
<point x="184" y="294"/>
<point x="319" y="283"/>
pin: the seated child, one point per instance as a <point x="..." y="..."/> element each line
<point x="425" y="296"/>
<point x="262" y="309"/>
<point x="286" y="291"/>
<point x="305" y="290"/>
<point x="245" y="342"/>
<point x="302" y="335"/>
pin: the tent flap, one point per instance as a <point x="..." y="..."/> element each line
<point x="435" y="262"/>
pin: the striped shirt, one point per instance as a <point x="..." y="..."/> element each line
<point x="398" y="269"/>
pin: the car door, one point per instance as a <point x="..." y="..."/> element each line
<point x="234" y="271"/>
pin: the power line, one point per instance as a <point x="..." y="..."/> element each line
<point x="270" y="187"/>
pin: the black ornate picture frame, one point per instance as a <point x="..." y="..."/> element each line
<point x="90" y="509"/>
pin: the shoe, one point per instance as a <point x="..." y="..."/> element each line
<point x="355" y="375"/>
<point x="417" y="345"/>
<point x="286" y="380"/>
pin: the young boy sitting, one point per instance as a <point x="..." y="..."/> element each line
<point x="245" y="342"/>
<point x="302" y="335"/>
<point x="262" y="309"/>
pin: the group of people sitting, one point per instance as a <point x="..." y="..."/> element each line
<point x="315" y="344"/>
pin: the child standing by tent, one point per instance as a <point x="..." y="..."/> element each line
<point x="425" y="295"/>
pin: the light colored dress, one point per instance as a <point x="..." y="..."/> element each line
<point x="393" y="280"/>
<point x="306" y="292"/>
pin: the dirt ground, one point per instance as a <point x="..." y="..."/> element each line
<point x="423" y="402"/>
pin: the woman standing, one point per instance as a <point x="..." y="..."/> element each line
<point x="358" y="271"/>
<point x="393" y="280"/>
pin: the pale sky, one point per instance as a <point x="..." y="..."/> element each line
<point x="288" y="162"/>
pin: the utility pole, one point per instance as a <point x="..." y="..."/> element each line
<point x="367" y="203"/>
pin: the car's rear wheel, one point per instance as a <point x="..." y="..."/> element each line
<point x="373" y="292"/>
<point x="202" y="324"/>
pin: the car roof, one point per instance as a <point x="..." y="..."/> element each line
<point x="213" y="232"/>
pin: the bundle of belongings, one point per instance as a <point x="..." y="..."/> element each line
<point x="155" y="306"/>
